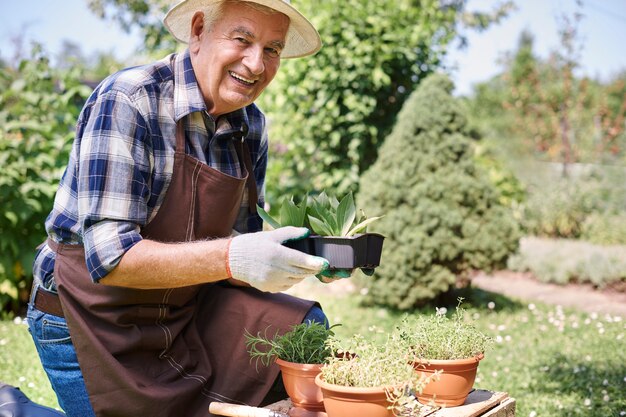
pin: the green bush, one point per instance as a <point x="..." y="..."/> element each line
<point x="442" y="217"/>
<point x="605" y="229"/>
<point x="558" y="209"/>
<point x="38" y="110"/>
<point x="563" y="261"/>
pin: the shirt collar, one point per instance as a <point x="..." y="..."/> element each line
<point x="187" y="95"/>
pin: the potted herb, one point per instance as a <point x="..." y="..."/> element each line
<point x="363" y="378"/>
<point x="339" y="233"/>
<point x="451" y="347"/>
<point x="300" y="354"/>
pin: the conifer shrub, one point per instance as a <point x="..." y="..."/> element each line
<point x="442" y="217"/>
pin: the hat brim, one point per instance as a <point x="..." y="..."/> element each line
<point x="302" y="38"/>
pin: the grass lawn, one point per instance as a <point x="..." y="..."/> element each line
<point x="553" y="361"/>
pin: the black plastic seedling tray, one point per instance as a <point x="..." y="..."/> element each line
<point x="359" y="251"/>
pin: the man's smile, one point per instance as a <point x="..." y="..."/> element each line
<point x="242" y="79"/>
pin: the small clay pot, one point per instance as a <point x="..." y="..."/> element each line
<point x="342" y="401"/>
<point x="305" y="395"/>
<point x="455" y="381"/>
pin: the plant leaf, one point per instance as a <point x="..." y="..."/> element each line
<point x="267" y="218"/>
<point x="361" y="226"/>
<point x="346" y="213"/>
<point x="324" y="214"/>
<point x="290" y="214"/>
<point x="302" y="212"/>
<point x="320" y="227"/>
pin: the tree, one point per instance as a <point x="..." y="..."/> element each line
<point x="330" y="112"/>
<point x="38" y="111"/>
<point x="442" y="218"/>
<point x="549" y="112"/>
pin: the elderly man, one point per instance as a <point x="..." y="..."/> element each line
<point x="155" y="263"/>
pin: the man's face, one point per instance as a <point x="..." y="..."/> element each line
<point x="238" y="57"/>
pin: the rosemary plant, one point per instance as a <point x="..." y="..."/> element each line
<point x="304" y="343"/>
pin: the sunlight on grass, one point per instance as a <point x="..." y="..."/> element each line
<point x="19" y="363"/>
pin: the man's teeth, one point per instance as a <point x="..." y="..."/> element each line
<point x="240" y="78"/>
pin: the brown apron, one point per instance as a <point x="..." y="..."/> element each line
<point x="171" y="352"/>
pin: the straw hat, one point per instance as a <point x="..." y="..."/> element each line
<point x="302" y="38"/>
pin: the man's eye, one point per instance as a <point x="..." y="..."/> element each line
<point x="242" y="40"/>
<point x="272" y="52"/>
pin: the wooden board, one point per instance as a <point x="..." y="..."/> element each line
<point x="479" y="403"/>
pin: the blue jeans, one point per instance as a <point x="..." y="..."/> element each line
<point x="58" y="357"/>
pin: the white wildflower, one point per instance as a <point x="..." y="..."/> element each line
<point x="491" y="305"/>
<point x="531" y="307"/>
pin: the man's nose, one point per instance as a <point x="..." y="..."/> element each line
<point x="254" y="60"/>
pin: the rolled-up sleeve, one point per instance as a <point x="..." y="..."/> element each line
<point x="113" y="180"/>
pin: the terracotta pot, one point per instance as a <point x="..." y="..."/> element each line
<point x="455" y="381"/>
<point x="305" y="395"/>
<point x="341" y="401"/>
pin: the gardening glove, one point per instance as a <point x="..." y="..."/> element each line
<point x="262" y="261"/>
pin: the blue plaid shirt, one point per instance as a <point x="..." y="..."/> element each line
<point x="122" y="160"/>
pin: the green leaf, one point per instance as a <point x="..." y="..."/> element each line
<point x="290" y="214"/>
<point x="361" y="226"/>
<point x="320" y="227"/>
<point x="324" y="214"/>
<point x="267" y="218"/>
<point x="346" y="212"/>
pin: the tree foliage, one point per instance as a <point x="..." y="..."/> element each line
<point x="330" y="112"/>
<point x="442" y="218"/>
<point x="38" y="111"/>
<point x="542" y="108"/>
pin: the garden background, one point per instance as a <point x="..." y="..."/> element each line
<point x="524" y="173"/>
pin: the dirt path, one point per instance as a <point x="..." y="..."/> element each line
<point x="516" y="285"/>
<point x="524" y="287"/>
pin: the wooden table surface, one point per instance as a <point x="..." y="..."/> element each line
<point x="479" y="403"/>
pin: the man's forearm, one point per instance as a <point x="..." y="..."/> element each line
<point x="152" y="265"/>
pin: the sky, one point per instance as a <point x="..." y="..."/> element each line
<point x="602" y="33"/>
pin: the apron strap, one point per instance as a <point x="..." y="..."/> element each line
<point x="243" y="152"/>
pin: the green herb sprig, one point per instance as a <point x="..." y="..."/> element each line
<point x="304" y="343"/>
<point x="438" y="337"/>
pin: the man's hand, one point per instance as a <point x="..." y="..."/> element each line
<point x="261" y="260"/>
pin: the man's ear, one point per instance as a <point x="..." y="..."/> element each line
<point x="197" y="29"/>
